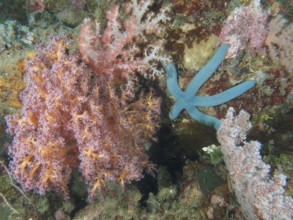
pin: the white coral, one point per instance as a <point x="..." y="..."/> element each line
<point x="119" y="48"/>
<point x="260" y="195"/>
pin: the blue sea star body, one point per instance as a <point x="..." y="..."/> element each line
<point x="189" y="101"/>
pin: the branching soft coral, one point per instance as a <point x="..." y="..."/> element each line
<point x="246" y="26"/>
<point x="88" y="115"/>
<point x="43" y="149"/>
<point x="117" y="50"/>
<point x="111" y="131"/>
<point x="74" y="117"/>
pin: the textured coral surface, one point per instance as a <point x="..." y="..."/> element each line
<point x="71" y="117"/>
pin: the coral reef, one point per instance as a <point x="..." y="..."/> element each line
<point x="245" y="27"/>
<point x="89" y="122"/>
<point x="260" y="195"/>
<point x="38" y="128"/>
<point x="124" y="56"/>
<point x="69" y="113"/>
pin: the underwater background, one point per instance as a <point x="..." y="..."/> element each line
<point x="142" y="109"/>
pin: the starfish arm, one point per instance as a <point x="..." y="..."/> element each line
<point x="227" y="95"/>
<point x="176" y="109"/>
<point x="203" y="118"/>
<point x="205" y="73"/>
<point x="172" y="83"/>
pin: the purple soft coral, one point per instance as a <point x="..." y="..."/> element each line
<point x="72" y="117"/>
<point x="42" y="147"/>
<point x="92" y="118"/>
<point x="246" y="26"/>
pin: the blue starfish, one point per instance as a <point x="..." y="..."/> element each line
<point x="188" y="100"/>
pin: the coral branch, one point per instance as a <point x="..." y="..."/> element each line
<point x="116" y="51"/>
<point x="260" y="195"/>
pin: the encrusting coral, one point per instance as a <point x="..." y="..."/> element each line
<point x="86" y="116"/>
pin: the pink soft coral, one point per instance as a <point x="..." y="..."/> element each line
<point x="70" y="113"/>
<point x="43" y="149"/>
<point x="118" y="49"/>
<point x="87" y="116"/>
<point x="246" y="26"/>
